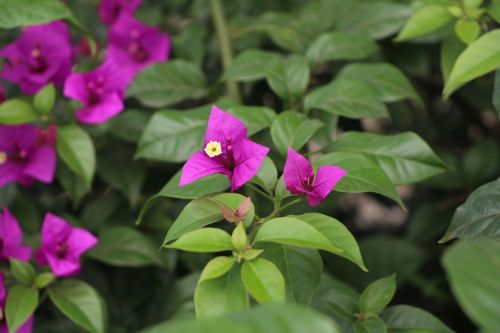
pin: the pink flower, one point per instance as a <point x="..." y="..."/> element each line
<point x="301" y="179"/>
<point x="111" y="10"/>
<point x="62" y="246"/>
<point x="27" y="153"/>
<point x="227" y="150"/>
<point x="135" y="45"/>
<point x="27" y="327"/>
<point x="42" y="54"/>
<point x="101" y="91"/>
<point x="2" y="95"/>
<point x="11" y="237"/>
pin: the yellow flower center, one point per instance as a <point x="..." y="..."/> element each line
<point x="3" y="157"/>
<point x="213" y="148"/>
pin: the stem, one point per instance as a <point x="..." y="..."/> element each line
<point x="291" y="203"/>
<point x="225" y="46"/>
<point x="264" y="194"/>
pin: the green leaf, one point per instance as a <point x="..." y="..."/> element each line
<point x="239" y="238"/>
<point x="125" y="247"/>
<point x="293" y="129"/>
<point x="29" y="12"/>
<point x="467" y="30"/>
<point x="473" y="271"/>
<point x="494" y="9"/>
<point x="377" y="19"/>
<point x="378" y="295"/>
<point x="451" y="49"/>
<point x="76" y="149"/>
<point x="370" y="325"/>
<point x="337" y="234"/>
<point x="43" y="280"/>
<point x="301" y="269"/>
<point x="267" y="176"/>
<point x="129" y="125"/>
<point x="479" y="58"/>
<point x="173" y="136"/>
<point x="289" y="77"/>
<point x="347" y="98"/>
<point x="340" y="46"/>
<point x="388" y="80"/>
<point x="496" y="93"/>
<point x="73" y="184"/>
<point x="220" y="295"/>
<point x="16" y="111"/>
<point x="363" y="175"/>
<point x="294" y="232"/>
<point x="251" y="65"/>
<point x="216" y="267"/>
<point x="168" y="83"/>
<point x="263" y="280"/>
<point x="255" y="118"/>
<point x="21" y="303"/>
<point x="425" y="20"/>
<point x="78" y="301"/>
<point x="45" y="99"/>
<point x="198" y="188"/>
<point x="22" y="271"/>
<point x="479" y="216"/>
<point x="405" y="157"/>
<point x="203" y="240"/>
<point x="410" y="319"/>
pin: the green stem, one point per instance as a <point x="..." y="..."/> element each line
<point x="291" y="203"/>
<point x="264" y="194"/>
<point x="225" y="46"/>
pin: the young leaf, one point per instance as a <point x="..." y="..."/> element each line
<point x="21" y="303"/>
<point x="292" y="231"/>
<point x="78" y="301"/>
<point x="263" y="280"/>
<point x="16" y="111"/>
<point x="45" y="99"/>
<point x="203" y="240"/>
<point x="425" y="20"/>
<point x="479" y="216"/>
<point x="479" y="58"/>
<point x="76" y="149"/>
<point x="406" y="319"/>
<point x="216" y="267"/>
<point x="239" y="238"/>
<point x="377" y="295"/>
<point x="405" y="157"/>
<point x="22" y="271"/>
<point x="289" y="77"/>
<point x="233" y="201"/>
<point x="43" y="280"/>
<point x="293" y="129"/>
<point x="168" y="83"/>
<point x="467" y="30"/>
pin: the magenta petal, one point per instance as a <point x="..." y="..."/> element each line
<point x="74" y="87"/>
<point x="200" y="165"/>
<point x="248" y="158"/>
<point x="297" y="170"/>
<point x="10" y="231"/>
<point x="63" y="267"/>
<point x="27" y="327"/>
<point x="110" y="106"/>
<point x="43" y="164"/>
<point x="223" y="126"/>
<point x="326" y="179"/>
<point x="54" y="230"/>
<point x="8" y="173"/>
<point x="40" y="257"/>
<point x="79" y="241"/>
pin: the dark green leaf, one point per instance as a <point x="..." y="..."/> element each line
<point x="496" y="93"/>
<point x="263" y="280"/>
<point x="267" y="176"/>
<point x="255" y="118"/>
<point x="377" y="295"/>
<point x="289" y="77"/>
<point x="251" y="65"/>
<point x="28" y="12"/>
<point x="409" y="319"/>
<point x="73" y="184"/>
<point x="16" y="111"/>
<point x="198" y="188"/>
<point x="450" y="50"/>
<point x="129" y="125"/>
<point x="21" y="303"/>
<point x="370" y="325"/>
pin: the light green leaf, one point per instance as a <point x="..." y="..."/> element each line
<point x="378" y="295"/>
<point x="168" y="83"/>
<point x="28" y="12"/>
<point x="203" y="240"/>
<point x="263" y="280"/>
<point x="125" y="247"/>
<point x="425" y="20"/>
<point x="494" y="9"/>
<point x="43" y="280"/>
<point x="16" y="111"/>
<point x="267" y="176"/>
<point x="198" y="188"/>
<point x="216" y="267"/>
<point x="294" y="232"/>
<point x="479" y="58"/>
<point x="347" y="98"/>
<point x="405" y="157"/>
<point x="363" y="175"/>
<point x="22" y="271"/>
<point x="451" y="49"/>
<point x="467" y="30"/>
<point x="21" y="303"/>
<point x="409" y="319"/>
<point x="76" y="149"/>
<point x="341" y="46"/>
<point x="255" y="118"/>
<point x="473" y="270"/>
<point x="479" y="216"/>
<point x="289" y="77"/>
<point x="78" y="301"/>
<point x="45" y="99"/>
<point x="251" y="65"/>
<point x="293" y="129"/>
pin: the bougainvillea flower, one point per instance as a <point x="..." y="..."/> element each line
<point x="135" y="45"/>
<point x="301" y="179"/>
<point x="227" y="150"/>
<point x="27" y="327"/>
<point x="11" y="237"/>
<point x="63" y="245"/>
<point x="27" y="153"/>
<point x="2" y="95"/>
<point x="111" y="10"/>
<point x="100" y="91"/>
<point x="42" y="54"/>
